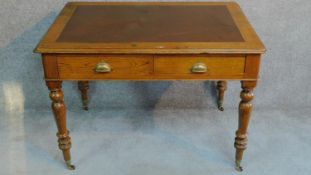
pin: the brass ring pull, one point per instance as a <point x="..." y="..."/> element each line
<point x="199" y="68"/>
<point x="102" y="67"/>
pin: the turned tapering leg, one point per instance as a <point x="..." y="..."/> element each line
<point x="245" y="109"/>
<point x="83" y="87"/>
<point x="221" y="87"/>
<point x="59" y="110"/>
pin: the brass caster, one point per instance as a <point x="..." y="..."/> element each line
<point x="70" y="166"/>
<point x="220" y="106"/>
<point x="238" y="166"/>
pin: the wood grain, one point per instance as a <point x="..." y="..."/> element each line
<point x="144" y="67"/>
<point x="180" y="66"/>
<point x="162" y="44"/>
<point x="123" y="67"/>
<point x="252" y="65"/>
<point x="50" y="65"/>
<point x="251" y="44"/>
<point x="59" y="111"/>
<point x="245" y="110"/>
<point x="221" y="88"/>
<point x="148" y="67"/>
<point x="83" y="86"/>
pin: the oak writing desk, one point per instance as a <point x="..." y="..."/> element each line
<point x="151" y="41"/>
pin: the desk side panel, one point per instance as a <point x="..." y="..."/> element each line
<point x="252" y="65"/>
<point x="50" y="67"/>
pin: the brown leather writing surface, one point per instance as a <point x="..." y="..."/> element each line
<point x="151" y="28"/>
<point x="207" y="23"/>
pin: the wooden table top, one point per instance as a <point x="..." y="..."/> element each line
<point x="157" y="27"/>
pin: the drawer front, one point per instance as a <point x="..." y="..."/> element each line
<point x="95" y="67"/>
<point x="186" y="67"/>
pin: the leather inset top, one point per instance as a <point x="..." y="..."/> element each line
<point x="119" y="24"/>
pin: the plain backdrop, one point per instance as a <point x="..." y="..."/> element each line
<point x="284" y="27"/>
<point x="282" y="103"/>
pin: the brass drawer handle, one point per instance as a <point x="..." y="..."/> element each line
<point x="199" y="68"/>
<point x="103" y="67"/>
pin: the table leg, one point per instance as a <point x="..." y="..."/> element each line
<point x="83" y="87"/>
<point x="245" y="109"/>
<point x="59" y="111"/>
<point x="221" y="87"/>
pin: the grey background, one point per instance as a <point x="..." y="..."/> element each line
<point x="284" y="27"/>
<point x="282" y="103"/>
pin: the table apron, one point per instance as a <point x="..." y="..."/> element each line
<point x="150" y="67"/>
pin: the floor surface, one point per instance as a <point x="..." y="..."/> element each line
<point x="155" y="141"/>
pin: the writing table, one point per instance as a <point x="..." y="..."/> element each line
<point x="151" y="41"/>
